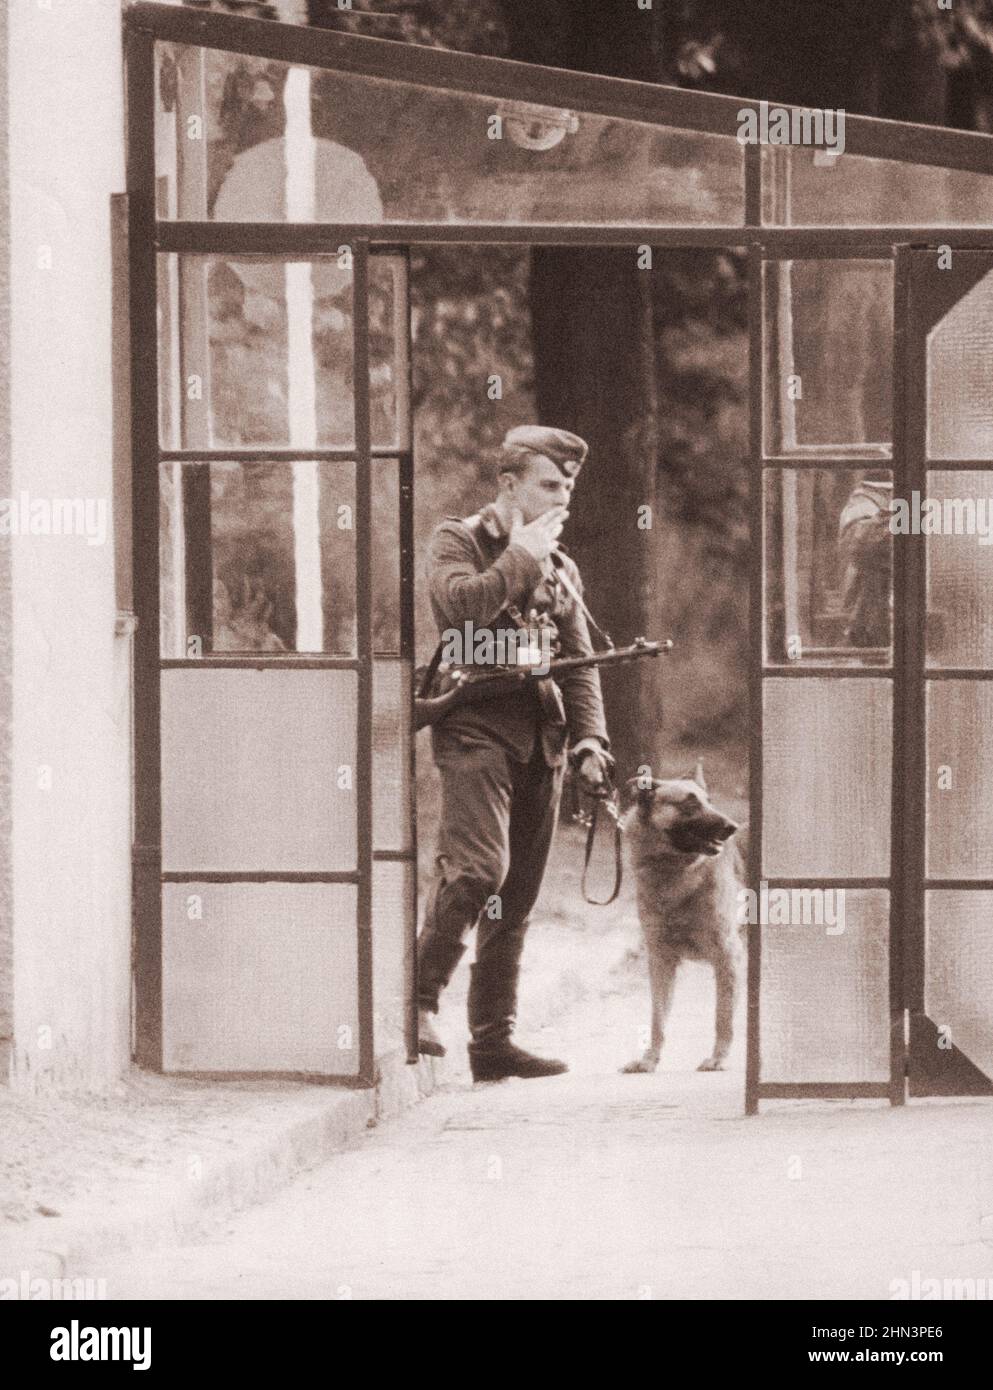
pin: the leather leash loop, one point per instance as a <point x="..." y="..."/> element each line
<point x="606" y="801"/>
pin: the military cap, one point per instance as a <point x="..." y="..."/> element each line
<point x="567" y="451"/>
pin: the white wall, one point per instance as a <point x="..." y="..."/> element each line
<point x="71" y="841"/>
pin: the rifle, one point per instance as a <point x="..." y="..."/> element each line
<point x="468" y="687"/>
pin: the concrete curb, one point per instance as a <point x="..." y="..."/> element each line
<point x="331" y="1121"/>
<point x="188" y="1209"/>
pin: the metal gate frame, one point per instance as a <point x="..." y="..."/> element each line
<point x="689" y="110"/>
<point x="951" y="1073"/>
<point x="761" y="462"/>
<point x="148" y="875"/>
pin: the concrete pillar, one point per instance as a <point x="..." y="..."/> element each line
<point x="65" y="851"/>
<point x="6" y="614"/>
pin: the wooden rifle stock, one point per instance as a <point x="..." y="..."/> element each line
<point x="470" y="689"/>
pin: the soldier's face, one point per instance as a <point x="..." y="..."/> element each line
<point x="540" y="488"/>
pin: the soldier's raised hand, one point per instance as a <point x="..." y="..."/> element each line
<point x="538" y="537"/>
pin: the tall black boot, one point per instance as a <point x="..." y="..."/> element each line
<point x="493" y="1012"/>
<point x="437" y="958"/>
<point x="436" y="962"/>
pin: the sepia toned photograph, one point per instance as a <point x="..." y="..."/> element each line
<point x="496" y="678"/>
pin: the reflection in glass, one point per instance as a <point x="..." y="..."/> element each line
<point x="959" y="379"/>
<point x="828" y="348"/>
<point x="239" y="562"/>
<point x="262" y="353"/>
<point x="389" y="368"/>
<point x="804" y="187"/>
<point x="391" y="151"/>
<point x="828" y="566"/>
<point x="233" y="566"/>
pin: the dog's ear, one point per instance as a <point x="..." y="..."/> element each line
<point x="642" y="795"/>
<point x="697" y="776"/>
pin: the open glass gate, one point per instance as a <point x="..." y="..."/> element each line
<point x="875" y="697"/>
<point x="825" y="1017"/>
<point x="948" y="299"/>
<point x="278" y="176"/>
<point x="275" y="880"/>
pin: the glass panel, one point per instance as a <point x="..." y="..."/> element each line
<point x="392" y="906"/>
<point x="826" y="746"/>
<point x="385" y="556"/>
<point x="960" y="774"/>
<point x="958" y="971"/>
<point x="959" y="383"/>
<point x="169" y="367"/>
<point x="825" y="1012"/>
<point x="828" y="566"/>
<point x="262" y="350"/>
<point x="804" y="187"/>
<point x="260" y="977"/>
<point x="266" y="559"/>
<point x="364" y="149"/>
<point x="960" y="571"/>
<point x="391" y="707"/>
<point x="389" y="366"/>
<point x="252" y="770"/>
<point x="828" y="358"/>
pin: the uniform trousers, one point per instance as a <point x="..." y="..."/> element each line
<point x="498" y="818"/>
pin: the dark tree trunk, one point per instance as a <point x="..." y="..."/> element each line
<point x="872" y="60"/>
<point x="599" y="365"/>
<point x="596" y="373"/>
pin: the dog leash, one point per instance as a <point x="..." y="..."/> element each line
<point x="606" y="801"/>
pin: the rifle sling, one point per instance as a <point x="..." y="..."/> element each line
<point x="430" y="671"/>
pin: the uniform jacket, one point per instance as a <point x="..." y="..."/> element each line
<point x="865" y="543"/>
<point x="473" y="576"/>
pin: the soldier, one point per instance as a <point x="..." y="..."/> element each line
<point x="502" y="762"/>
<point x="865" y="541"/>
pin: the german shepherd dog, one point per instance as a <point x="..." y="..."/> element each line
<point x="689" y="873"/>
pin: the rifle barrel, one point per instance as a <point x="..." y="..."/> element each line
<point x="613" y="656"/>
<point x="490" y="686"/>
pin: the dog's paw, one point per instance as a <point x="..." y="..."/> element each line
<point x="713" y="1064"/>
<point x="640" y="1064"/>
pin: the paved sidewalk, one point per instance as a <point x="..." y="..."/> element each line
<point x="161" y="1159"/>
<point x="600" y="1186"/>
